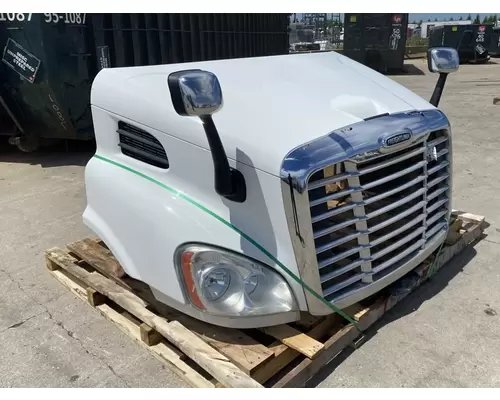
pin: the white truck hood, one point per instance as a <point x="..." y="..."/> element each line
<point x="271" y="104"/>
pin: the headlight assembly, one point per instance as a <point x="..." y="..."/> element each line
<point x="227" y="284"/>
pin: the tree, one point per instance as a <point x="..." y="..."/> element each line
<point x="460" y="19"/>
<point x="451" y="18"/>
<point x="477" y="20"/>
<point x="469" y="17"/>
<point x="435" y="20"/>
<point x="486" y="20"/>
<point x="429" y="20"/>
<point x="420" y="23"/>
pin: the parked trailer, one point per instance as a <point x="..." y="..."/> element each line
<point x="376" y="40"/>
<point x="49" y="61"/>
<point x="471" y="41"/>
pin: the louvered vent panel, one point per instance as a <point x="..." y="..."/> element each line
<point x="142" y="146"/>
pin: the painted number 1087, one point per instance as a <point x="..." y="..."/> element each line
<point x="15" y="17"/>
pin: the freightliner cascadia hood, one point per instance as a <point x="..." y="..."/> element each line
<point x="271" y="104"/>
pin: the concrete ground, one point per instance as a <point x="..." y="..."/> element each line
<point x="445" y="334"/>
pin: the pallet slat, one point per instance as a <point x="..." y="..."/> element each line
<point x="208" y="358"/>
<point x="298" y="376"/>
<point x="99" y="257"/>
<point x="159" y="350"/>
<point x="284" y="355"/>
<point x="295" y="339"/>
<point x="244" y="351"/>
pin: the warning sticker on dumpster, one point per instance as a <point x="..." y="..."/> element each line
<point x="20" y="60"/>
<point x="397" y="19"/>
<point x="103" y="60"/>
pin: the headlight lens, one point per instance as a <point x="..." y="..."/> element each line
<point x="227" y="284"/>
<point x="215" y="283"/>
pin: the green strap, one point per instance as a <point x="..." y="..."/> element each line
<point x="228" y="224"/>
<point x="434" y="262"/>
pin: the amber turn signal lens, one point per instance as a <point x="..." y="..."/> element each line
<point x="186" y="263"/>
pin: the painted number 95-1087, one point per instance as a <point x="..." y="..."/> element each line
<point x="54" y="18"/>
<point x="68" y="18"/>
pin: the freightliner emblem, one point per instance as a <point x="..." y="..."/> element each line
<point x="396" y="139"/>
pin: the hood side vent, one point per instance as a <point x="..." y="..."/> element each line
<point x="137" y="143"/>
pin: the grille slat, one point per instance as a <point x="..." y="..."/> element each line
<point x="442" y="153"/>
<point x="338" y="242"/>
<point x="382" y="212"/>
<point x="437" y="180"/>
<point x="338" y="257"/>
<point x="436" y="142"/>
<point x="340" y="271"/>
<point x="396" y="218"/>
<point x="436" y="216"/>
<point x="396" y="204"/>
<point x="438" y="167"/>
<point x="335" y="228"/>
<point x="334" y="212"/>
<point x="139" y="144"/>
<point x="393" y="176"/>
<point x="350" y="206"/>
<point x="400" y="256"/>
<point x="431" y="232"/>
<point x="376" y="167"/>
<point x="333" y="196"/>
<point x="339" y="286"/>
<point x="394" y="191"/>
<point x="324" y="182"/>
<point x="436" y="205"/>
<point x="396" y="232"/>
<point x="437" y="192"/>
<point x="398" y="244"/>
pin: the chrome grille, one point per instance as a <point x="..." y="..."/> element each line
<point x="370" y="217"/>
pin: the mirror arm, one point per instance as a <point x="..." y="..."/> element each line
<point x="228" y="182"/>
<point x="438" y="90"/>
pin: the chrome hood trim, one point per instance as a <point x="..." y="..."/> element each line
<point x="356" y="142"/>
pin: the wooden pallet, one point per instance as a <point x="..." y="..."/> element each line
<point x="205" y="355"/>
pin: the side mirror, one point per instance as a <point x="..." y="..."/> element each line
<point x="197" y="93"/>
<point x="444" y="60"/>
